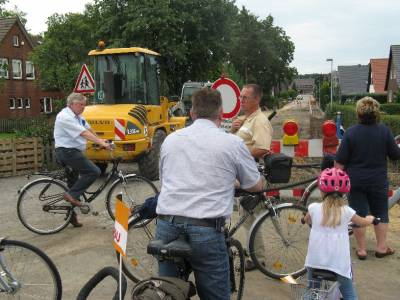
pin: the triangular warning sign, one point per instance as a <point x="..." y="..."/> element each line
<point x="85" y="82"/>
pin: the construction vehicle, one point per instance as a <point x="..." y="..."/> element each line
<point x="128" y="108"/>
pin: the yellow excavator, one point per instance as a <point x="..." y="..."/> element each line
<point x="128" y="107"/>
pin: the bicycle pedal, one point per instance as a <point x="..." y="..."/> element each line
<point x="85" y="209"/>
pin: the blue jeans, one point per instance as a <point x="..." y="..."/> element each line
<point x="209" y="259"/>
<point x="346" y="285"/>
<point x="85" y="171"/>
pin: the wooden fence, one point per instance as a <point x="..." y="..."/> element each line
<point x="25" y="155"/>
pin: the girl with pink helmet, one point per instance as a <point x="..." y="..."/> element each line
<point x="329" y="246"/>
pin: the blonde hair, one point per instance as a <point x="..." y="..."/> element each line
<point x="367" y="110"/>
<point x="332" y="210"/>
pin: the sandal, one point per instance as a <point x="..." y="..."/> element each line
<point x="389" y="251"/>
<point x="361" y="256"/>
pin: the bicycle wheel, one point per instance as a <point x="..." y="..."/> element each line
<point x="236" y="267"/>
<point x="137" y="264"/>
<point x="36" y="275"/>
<point x="135" y="189"/>
<point x="41" y="207"/>
<point x="278" y="244"/>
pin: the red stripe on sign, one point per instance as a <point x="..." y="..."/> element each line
<point x="276" y="147"/>
<point x="301" y="150"/>
<point x="298" y="192"/>
<point x="118" y="132"/>
<point x="272" y="193"/>
<point x="390" y="193"/>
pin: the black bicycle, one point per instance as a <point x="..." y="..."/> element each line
<point x="42" y="209"/>
<point x="179" y="251"/>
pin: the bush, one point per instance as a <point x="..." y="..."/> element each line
<point x="391" y="108"/>
<point x="349" y="117"/>
<point x="381" y="98"/>
<point x="393" y="122"/>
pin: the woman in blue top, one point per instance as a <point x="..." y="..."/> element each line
<point x="362" y="153"/>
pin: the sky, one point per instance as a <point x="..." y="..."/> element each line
<point x="348" y="31"/>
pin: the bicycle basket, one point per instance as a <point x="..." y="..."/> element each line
<point x="278" y="167"/>
<point x="315" y="289"/>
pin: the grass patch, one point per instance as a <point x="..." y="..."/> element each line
<point x="5" y="136"/>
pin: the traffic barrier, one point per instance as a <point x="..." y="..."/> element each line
<point x="297" y="193"/>
<point x="305" y="148"/>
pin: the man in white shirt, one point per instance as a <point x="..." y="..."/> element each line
<point x="71" y="131"/>
<point x="199" y="166"/>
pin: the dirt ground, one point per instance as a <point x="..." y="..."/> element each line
<point x="79" y="253"/>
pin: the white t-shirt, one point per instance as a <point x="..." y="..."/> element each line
<point x="329" y="247"/>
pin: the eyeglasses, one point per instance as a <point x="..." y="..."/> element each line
<point x="245" y="98"/>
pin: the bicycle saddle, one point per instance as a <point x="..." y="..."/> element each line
<point x="176" y="248"/>
<point x="321" y="274"/>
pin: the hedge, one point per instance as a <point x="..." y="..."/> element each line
<point x="391" y="108"/>
<point x="349" y="117"/>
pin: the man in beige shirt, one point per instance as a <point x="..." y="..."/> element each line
<point x="255" y="130"/>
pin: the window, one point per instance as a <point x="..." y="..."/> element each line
<point x="27" y="103"/>
<point x="4" y="67"/>
<point x="29" y="70"/>
<point x="20" y="103"/>
<point x="12" y="103"/>
<point x="17" y="68"/>
<point x="46" y="105"/>
<point x="15" y="40"/>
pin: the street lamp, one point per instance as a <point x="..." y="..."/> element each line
<point x="331" y="60"/>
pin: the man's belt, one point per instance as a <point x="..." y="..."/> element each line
<point x="217" y="223"/>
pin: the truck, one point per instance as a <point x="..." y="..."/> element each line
<point x="128" y="108"/>
<point x="182" y="108"/>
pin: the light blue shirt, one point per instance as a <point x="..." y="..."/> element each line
<point x="198" y="168"/>
<point x="67" y="130"/>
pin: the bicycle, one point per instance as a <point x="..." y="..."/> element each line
<point x="322" y="285"/>
<point x="179" y="251"/>
<point x="42" y="209"/>
<point x="27" y="272"/>
<point x="279" y="223"/>
<point x="98" y="277"/>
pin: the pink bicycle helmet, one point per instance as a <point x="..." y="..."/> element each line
<point x="334" y="180"/>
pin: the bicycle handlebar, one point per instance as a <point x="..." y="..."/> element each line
<point x="97" y="278"/>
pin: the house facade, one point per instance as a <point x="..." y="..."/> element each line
<point x="20" y="92"/>
<point x="393" y="73"/>
<point x="377" y="75"/>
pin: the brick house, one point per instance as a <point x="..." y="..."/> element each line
<point x="377" y="75"/>
<point x="393" y="73"/>
<point x="20" y="92"/>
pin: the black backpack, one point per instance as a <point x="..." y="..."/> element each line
<point x="163" y="288"/>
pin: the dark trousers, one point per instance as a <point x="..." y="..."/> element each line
<point x="85" y="171"/>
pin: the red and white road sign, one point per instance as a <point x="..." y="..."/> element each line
<point x="119" y="129"/>
<point x="230" y="93"/>
<point x="85" y="82"/>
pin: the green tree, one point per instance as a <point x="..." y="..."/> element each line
<point x="15" y="12"/>
<point x="260" y="51"/>
<point x="63" y="50"/>
<point x="191" y="35"/>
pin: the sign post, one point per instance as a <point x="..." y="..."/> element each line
<point x="122" y="213"/>
<point x="230" y="93"/>
<point x="85" y="82"/>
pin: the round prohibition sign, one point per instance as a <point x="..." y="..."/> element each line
<point x="230" y="97"/>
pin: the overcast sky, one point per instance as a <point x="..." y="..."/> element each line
<point x="349" y="31"/>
